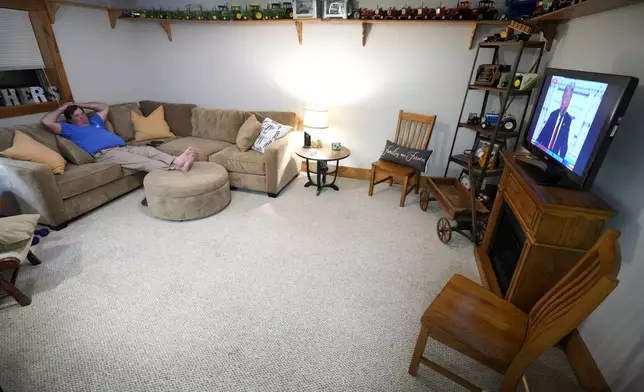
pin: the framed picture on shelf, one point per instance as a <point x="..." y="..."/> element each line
<point x="305" y="9"/>
<point x="464" y="179"/>
<point x="335" y="9"/>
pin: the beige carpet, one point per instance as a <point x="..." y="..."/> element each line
<point x="298" y="293"/>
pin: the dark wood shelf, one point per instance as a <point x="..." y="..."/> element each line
<point x="23" y="110"/>
<point x="499" y="90"/>
<point x="463" y="161"/>
<point x="488" y="132"/>
<point x="588" y="7"/>
<point x="525" y="44"/>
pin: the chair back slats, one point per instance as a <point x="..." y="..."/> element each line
<point x="568" y="303"/>
<point x="414" y="130"/>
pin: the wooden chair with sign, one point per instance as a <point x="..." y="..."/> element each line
<point x="485" y="327"/>
<point x="413" y="131"/>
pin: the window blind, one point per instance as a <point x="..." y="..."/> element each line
<point x="18" y="46"/>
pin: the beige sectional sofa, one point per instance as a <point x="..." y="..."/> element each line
<point x="32" y="188"/>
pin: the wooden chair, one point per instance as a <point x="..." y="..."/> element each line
<point x="413" y="131"/>
<point x="11" y="262"/>
<point x="492" y="331"/>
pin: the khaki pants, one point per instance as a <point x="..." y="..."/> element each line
<point x="142" y="158"/>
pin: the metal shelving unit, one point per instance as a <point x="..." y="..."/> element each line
<point x="495" y="136"/>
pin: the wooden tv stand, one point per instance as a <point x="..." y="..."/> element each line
<point x="559" y="226"/>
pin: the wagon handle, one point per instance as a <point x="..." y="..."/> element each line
<point x="470" y="165"/>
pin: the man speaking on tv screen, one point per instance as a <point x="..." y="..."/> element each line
<point x="554" y="135"/>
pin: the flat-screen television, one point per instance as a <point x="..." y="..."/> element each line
<point x="575" y="118"/>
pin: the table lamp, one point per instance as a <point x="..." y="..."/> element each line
<point x="315" y="118"/>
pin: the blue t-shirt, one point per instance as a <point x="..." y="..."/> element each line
<point x="93" y="137"/>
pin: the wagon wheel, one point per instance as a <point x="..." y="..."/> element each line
<point x="444" y="230"/>
<point x="424" y="199"/>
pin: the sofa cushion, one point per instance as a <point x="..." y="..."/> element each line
<point x="203" y="147"/>
<point x="286" y="118"/>
<point x="235" y="161"/>
<point x="6" y="138"/>
<point x="248" y="133"/>
<point x="25" y="148"/>
<point x="16" y="230"/>
<point x="78" y="179"/>
<point x="38" y="133"/>
<point x="177" y="115"/>
<point x="121" y="119"/>
<point x="151" y="127"/>
<point x="217" y="124"/>
<point x="72" y="152"/>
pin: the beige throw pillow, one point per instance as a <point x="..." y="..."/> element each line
<point x="72" y="152"/>
<point x="248" y="132"/>
<point x="27" y="149"/>
<point x="15" y="231"/>
<point x="152" y="127"/>
<point x="121" y="120"/>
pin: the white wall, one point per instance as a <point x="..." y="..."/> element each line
<point x="611" y="43"/>
<point x="420" y="69"/>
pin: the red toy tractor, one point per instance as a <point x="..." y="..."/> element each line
<point x="380" y="14"/>
<point x="424" y="13"/>
<point x="408" y="13"/>
<point x="464" y="12"/>
<point x="486" y="10"/>
<point x="439" y="12"/>
<point x="367" y="14"/>
<point x="393" y="13"/>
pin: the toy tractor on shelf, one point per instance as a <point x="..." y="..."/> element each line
<point x="408" y="13"/>
<point x="464" y="12"/>
<point x="439" y="12"/>
<point x="380" y="14"/>
<point x="486" y="10"/>
<point x="393" y="14"/>
<point x="424" y="13"/>
<point x="223" y="13"/>
<point x="273" y="12"/>
<point x="236" y="12"/>
<point x="367" y="13"/>
<point x="285" y="11"/>
<point x="253" y="12"/>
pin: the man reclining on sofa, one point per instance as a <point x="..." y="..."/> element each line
<point x="106" y="147"/>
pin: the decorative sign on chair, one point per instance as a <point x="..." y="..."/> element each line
<point x="28" y="95"/>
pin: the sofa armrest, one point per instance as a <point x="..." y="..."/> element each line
<point x="281" y="166"/>
<point x="34" y="188"/>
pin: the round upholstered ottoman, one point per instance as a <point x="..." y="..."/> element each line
<point x="174" y="195"/>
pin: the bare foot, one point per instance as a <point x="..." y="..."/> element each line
<point x="187" y="164"/>
<point x="181" y="159"/>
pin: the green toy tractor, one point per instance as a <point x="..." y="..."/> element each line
<point x="236" y="11"/>
<point x="288" y="9"/>
<point x="223" y="13"/>
<point x="273" y="12"/>
<point x="253" y="11"/>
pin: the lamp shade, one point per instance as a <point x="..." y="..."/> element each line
<point x="316" y="117"/>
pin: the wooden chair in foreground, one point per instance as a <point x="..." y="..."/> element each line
<point x="413" y="131"/>
<point x="492" y="331"/>
<point x="11" y="262"/>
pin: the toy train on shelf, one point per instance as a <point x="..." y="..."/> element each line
<point x="253" y="11"/>
<point x="484" y="11"/>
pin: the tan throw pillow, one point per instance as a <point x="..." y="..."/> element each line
<point x="248" y="133"/>
<point x="72" y="152"/>
<point x="152" y="127"/>
<point x="121" y="119"/>
<point x="15" y="231"/>
<point x="27" y="149"/>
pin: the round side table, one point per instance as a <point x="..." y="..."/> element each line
<point x="322" y="156"/>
